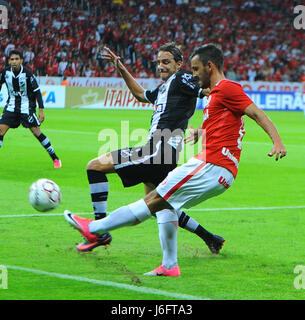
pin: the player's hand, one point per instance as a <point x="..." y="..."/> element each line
<point x="41" y="115"/>
<point x="279" y="150"/>
<point x="109" y="55"/>
<point x="193" y="136"/>
<point x="206" y="92"/>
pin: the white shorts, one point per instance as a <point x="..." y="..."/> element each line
<point x="194" y="182"/>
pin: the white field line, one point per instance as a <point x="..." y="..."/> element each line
<point x="42" y="215"/>
<point x="71" y="131"/>
<point x="270" y="144"/>
<point x="112" y="284"/>
<point x="144" y="290"/>
<point x="200" y="209"/>
<point x="248" y="208"/>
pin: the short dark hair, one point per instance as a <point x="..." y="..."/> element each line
<point x="14" y="51"/>
<point x="173" y="49"/>
<point x="210" y="52"/>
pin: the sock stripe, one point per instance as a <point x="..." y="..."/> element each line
<point x="183" y="220"/>
<point x="101" y="196"/>
<point x="45" y="142"/>
<point x="99" y="187"/>
<point x="95" y="176"/>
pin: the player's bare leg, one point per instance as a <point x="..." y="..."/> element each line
<point x="3" y="129"/>
<point x="45" y="142"/>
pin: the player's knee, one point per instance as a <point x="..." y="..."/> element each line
<point x="103" y="163"/>
<point x="166" y="215"/>
<point x="3" y="130"/>
<point x="155" y="202"/>
<point x="93" y="165"/>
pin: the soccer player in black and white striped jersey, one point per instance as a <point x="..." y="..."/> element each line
<point x="175" y="102"/>
<point x="23" y="92"/>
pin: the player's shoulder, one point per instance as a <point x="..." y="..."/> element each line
<point x="184" y="74"/>
<point x="227" y="85"/>
<point x="185" y="78"/>
<point x="27" y="71"/>
<point x="5" y="69"/>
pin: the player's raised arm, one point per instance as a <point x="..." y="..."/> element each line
<point x="262" y="120"/>
<point x="136" y="89"/>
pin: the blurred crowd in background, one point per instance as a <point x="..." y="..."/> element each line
<point x="66" y="37"/>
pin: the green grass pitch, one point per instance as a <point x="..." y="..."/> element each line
<point x="262" y="217"/>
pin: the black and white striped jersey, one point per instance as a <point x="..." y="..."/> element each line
<point x="21" y="90"/>
<point x="174" y="103"/>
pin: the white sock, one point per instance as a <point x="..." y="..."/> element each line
<point x="125" y="216"/>
<point x="168" y="225"/>
<point x="168" y="241"/>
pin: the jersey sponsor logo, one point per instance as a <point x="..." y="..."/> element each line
<point x="159" y="107"/>
<point x="223" y="182"/>
<point x="226" y="152"/>
<point x="22" y="83"/>
<point x="18" y="93"/>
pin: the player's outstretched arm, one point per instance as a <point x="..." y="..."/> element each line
<point x="136" y="89"/>
<point x="262" y="120"/>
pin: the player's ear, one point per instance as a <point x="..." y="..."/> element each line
<point x="210" y="65"/>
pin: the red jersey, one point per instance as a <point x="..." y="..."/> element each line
<point x="222" y="126"/>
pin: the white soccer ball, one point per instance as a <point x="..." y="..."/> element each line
<point x="44" y="195"/>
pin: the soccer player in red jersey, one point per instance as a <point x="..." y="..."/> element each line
<point x="206" y="175"/>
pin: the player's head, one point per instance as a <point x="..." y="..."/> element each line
<point x="205" y="61"/>
<point x="169" y="60"/>
<point x="15" y="59"/>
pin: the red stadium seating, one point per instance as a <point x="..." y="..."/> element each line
<point x="63" y="37"/>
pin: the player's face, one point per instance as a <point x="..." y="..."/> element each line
<point x="201" y="72"/>
<point x="15" y="62"/>
<point x="167" y="65"/>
